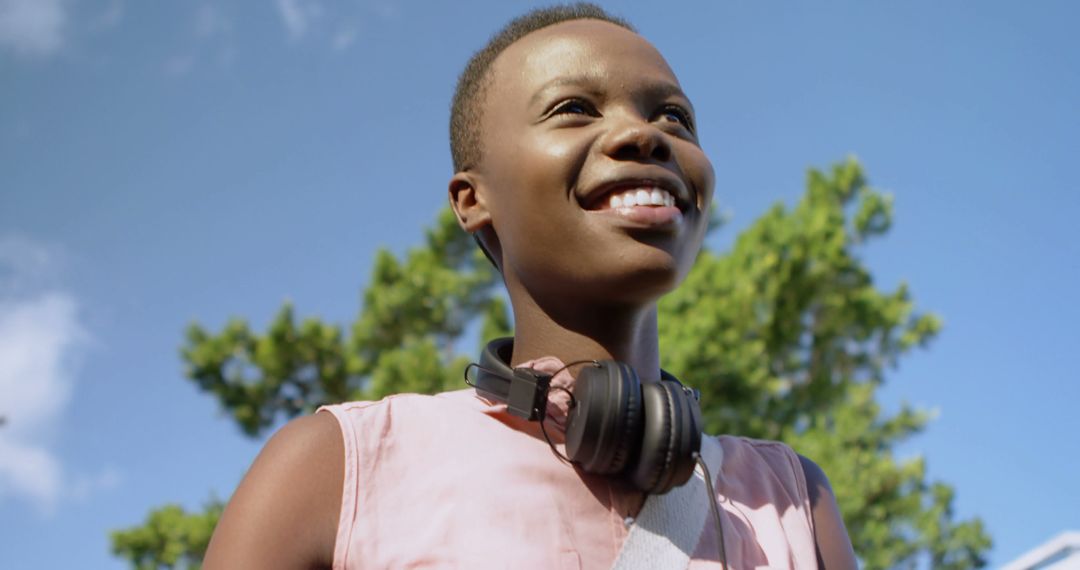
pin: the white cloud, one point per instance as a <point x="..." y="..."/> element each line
<point x="299" y="15"/>
<point x="30" y="471"/>
<point x="40" y="338"/>
<point x="36" y="337"/>
<point x="33" y="27"/>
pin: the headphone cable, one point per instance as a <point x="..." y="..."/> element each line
<point x="715" y="509"/>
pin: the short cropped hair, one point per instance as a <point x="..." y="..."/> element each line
<point x="466" y="111"/>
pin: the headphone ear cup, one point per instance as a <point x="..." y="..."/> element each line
<point x="604" y="426"/>
<point x="671" y="436"/>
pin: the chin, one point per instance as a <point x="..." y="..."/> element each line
<point x="642" y="280"/>
<point x="624" y="272"/>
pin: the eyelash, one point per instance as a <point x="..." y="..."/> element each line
<point x="564" y="108"/>
<point x="683" y="116"/>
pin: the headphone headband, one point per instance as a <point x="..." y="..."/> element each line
<point x="493" y="374"/>
<point x="647" y="434"/>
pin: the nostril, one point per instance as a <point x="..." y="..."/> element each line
<point x="639" y="143"/>
<point x="662" y="152"/>
<point x="632" y="151"/>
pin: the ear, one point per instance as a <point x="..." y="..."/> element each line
<point x="468" y="204"/>
<point x="473" y="215"/>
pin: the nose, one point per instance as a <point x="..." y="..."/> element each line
<point x="635" y="139"/>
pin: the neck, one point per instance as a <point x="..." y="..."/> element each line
<point x="598" y="332"/>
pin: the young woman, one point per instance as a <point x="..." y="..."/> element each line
<point x="578" y="169"/>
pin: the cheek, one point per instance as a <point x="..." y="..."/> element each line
<point x="699" y="171"/>
<point x="548" y="161"/>
<point x="532" y="202"/>
<point x="537" y="174"/>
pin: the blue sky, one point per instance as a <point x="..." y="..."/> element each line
<point x="168" y="162"/>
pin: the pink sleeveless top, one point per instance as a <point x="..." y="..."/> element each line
<point x="454" y="481"/>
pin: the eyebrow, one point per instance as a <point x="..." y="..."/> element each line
<point x="655" y="89"/>
<point x="583" y="81"/>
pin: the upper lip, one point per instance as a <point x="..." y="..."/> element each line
<point x="673" y="185"/>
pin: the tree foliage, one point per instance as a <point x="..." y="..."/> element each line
<point x="786" y="334"/>
<point x="170" y="538"/>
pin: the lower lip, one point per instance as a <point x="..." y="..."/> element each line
<point x="646" y="216"/>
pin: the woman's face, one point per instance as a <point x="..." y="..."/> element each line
<point x="591" y="171"/>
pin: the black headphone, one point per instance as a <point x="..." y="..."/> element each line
<point x="647" y="434"/>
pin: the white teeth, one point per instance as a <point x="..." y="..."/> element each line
<point x="641" y="197"/>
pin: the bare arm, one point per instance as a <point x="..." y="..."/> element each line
<point x="285" y="512"/>
<point x="833" y="543"/>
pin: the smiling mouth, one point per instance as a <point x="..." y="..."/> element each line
<point x="642" y="205"/>
<point x="632" y="197"/>
<point x="642" y="193"/>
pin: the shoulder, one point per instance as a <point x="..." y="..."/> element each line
<point x="748" y="453"/>
<point x="833" y="544"/>
<point x="285" y="510"/>
<point x="406" y="402"/>
<point x="803" y="482"/>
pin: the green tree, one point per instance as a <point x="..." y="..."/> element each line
<point x="786" y="334"/>
<point x="170" y="538"/>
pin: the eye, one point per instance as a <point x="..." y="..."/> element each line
<point x="677" y="114"/>
<point x="573" y="107"/>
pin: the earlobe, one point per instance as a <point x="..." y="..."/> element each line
<point x="468" y="203"/>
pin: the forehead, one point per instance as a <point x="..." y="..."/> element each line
<point x="578" y="50"/>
